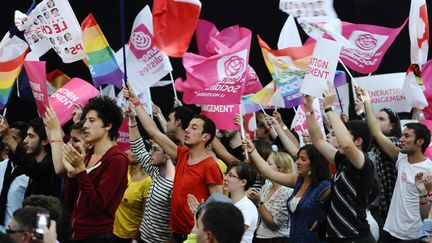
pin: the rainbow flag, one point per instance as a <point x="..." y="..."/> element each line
<point x="100" y="57"/>
<point x="12" y="53"/>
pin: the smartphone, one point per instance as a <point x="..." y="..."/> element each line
<point x="41" y="219"/>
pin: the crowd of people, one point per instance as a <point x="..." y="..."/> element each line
<point x="363" y="180"/>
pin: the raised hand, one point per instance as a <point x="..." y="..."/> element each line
<point x="50" y="119"/>
<point x="278" y="117"/>
<point x="77" y="113"/>
<point x="129" y="94"/>
<point x="329" y="95"/>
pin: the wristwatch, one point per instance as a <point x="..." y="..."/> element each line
<point x="330" y="108"/>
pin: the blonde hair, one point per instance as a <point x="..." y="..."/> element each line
<point x="283" y="161"/>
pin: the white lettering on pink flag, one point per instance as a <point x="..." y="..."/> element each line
<point x="371" y="43"/>
<point x="226" y="91"/>
<point x="38" y="84"/>
<point x="222" y="115"/>
<point x="76" y="91"/>
<point x="123" y="141"/>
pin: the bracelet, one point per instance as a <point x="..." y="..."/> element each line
<point x="251" y="151"/>
<point x="423" y="195"/>
<point x="285" y="128"/>
<point x="133" y="125"/>
<point x="328" y="109"/>
<point x="309" y="113"/>
<point x="56" y="140"/>
<point x="137" y="103"/>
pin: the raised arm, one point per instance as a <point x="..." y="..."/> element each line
<point x="343" y="136"/>
<point x="288" y="132"/>
<point x="151" y="128"/>
<point x="316" y="136"/>
<point x="383" y="141"/>
<point x="55" y="138"/>
<point x="288" y="144"/>
<point x="265" y="169"/>
<point x="161" y="118"/>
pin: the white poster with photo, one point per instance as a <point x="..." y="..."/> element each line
<point x="385" y="91"/>
<point x="322" y="67"/>
<point x="53" y="24"/>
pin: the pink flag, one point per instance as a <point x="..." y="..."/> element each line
<point x="38" y="84"/>
<point x="222" y="115"/>
<point x="174" y="23"/>
<point x="203" y="72"/>
<point x="76" y="91"/>
<point x="123" y="141"/>
<point x="371" y="44"/>
<point x="419" y="31"/>
<point x="230" y="80"/>
<point x="211" y="42"/>
<point x="427" y="81"/>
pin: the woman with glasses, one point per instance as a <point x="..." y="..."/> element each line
<point x="311" y="186"/>
<point x="238" y="180"/>
<point x="271" y="202"/>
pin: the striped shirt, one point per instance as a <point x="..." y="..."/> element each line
<point x="346" y="217"/>
<point x="155" y="221"/>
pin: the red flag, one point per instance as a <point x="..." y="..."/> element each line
<point x="174" y="23"/>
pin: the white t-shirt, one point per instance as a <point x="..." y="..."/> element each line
<point x="250" y="215"/>
<point x="403" y="219"/>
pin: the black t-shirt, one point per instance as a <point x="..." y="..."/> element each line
<point x="346" y="217"/>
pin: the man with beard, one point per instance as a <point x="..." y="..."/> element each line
<point x="403" y="219"/>
<point x="33" y="157"/>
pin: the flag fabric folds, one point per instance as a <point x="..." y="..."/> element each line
<point x="12" y="53"/>
<point x="419" y="31"/>
<point x="174" y="22"/>
<point x="100" y="57"/>
<point x="413" y="87"/>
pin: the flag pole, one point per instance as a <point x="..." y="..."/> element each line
<point x="352" y="78"/>
<point x="242" y="130"/>
<point x="172" y="83"/>
<point x="123" y="39"/>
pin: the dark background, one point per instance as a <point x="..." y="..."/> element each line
<point x="262" y="17"/>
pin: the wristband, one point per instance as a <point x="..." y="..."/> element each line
<point x="259" y="204"/>
<point x="309" y="113"/>
<point x="56" y="140"/>
<point x="137" y="103"/>
<point x="251" y="150"/>
<point x="423" y="196"/>
<point x="285" y="128"/>
<point x="328" y="109"/>
<point x="133" y="125"/>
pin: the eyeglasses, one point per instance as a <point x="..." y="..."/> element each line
<point x="231" y="175"/>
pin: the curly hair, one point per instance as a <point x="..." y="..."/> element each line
<point x="108" y="111"/>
